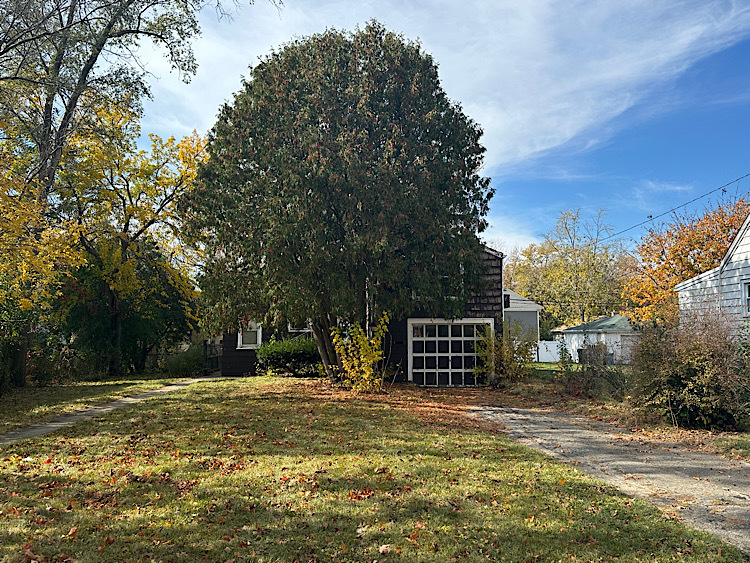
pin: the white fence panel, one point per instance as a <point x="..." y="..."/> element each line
<point x="548" y="351"/>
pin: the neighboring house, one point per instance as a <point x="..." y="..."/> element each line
<point x="615" y="332"/>
<point x="426" y="350"/>
<point x="519" y="309"/>
<point x="726" y="288"/>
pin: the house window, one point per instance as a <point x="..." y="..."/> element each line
<point x="746" y="296"/>
<point x="250" y="337"/>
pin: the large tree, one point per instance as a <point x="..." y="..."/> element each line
<point x="64" y="57"/>
<point x="576" y="272"/>
<point x="123" y="202"/>
<point x="59" y="61"/>
<point x="341" y="182"/>
<point x="677" y="250"/>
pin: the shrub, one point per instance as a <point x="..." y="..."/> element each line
<point x="694" y="374"/>
<point x="594" y="378"/>
<point x="294" y="356"/>
<point x="189" y="362"/>
<point x="362" y="357"/>
<point x="504" y="355"/>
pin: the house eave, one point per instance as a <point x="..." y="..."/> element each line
<point x="700" y="278"/>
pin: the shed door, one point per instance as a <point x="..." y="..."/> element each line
<point x="443" y="353"/>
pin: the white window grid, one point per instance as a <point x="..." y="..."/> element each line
<point x="442" y="352"/>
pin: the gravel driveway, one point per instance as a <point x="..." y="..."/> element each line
<point x="709" y="492"/>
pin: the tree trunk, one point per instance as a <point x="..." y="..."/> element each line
<point x="18" y="363"/>
<point x="115" y="324"/>
<point x="321" y="328"/>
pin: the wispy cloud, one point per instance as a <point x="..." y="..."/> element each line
<point x="534" y="74"/>
<point x="651" y="186"/>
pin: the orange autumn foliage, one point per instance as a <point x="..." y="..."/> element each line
<point x="671" y="253"/>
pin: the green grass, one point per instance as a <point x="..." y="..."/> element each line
<point x="281" y="470"/>
<point x="32" y="405"/>
<point x="735" y="445"/>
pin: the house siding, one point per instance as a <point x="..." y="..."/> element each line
<point x="529" y="321"/>
<point x="234" y="362"/>
<point x="721" y="289"/>
<point x="486" y="305"/>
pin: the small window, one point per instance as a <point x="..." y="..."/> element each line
<point x="746" y="296"/>
<point x="250" y="336"/>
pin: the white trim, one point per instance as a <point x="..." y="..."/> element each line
<point x="411" y="322"/>
<point x="735" y="242"/>
<point x="745" y="298"/>
<point x="253" y="327"/>
<point x="700" y="278"/>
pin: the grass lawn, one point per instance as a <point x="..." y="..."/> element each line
<point x="31" y="405"/>
<point x="288" y="470"/>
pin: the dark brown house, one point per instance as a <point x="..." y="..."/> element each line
<point x="424" y="350"/>
<point x="440" y="352"/>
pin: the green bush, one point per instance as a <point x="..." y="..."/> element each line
<point x="505" y="355"/>
<point x="694" y="374"/>
<point x="294" y="356"/>
<point x="189" y="362"/>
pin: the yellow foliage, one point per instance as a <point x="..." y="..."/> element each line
<point x="33" y="252"/>
<point x="360" y="355"/>
<point x="122" y="196"/>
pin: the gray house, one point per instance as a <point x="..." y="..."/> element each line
<point x="519" y="309"/>
<point x="615" y="332"/>
<point x="726" y="288"/>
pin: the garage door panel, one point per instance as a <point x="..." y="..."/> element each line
<point x="443" y="353"/>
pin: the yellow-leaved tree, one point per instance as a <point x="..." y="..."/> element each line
<point x="576" y="272"/>
<point x="35" y="253"/>
<point x="124" y="203"/>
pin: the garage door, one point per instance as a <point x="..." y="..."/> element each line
<point x="443" y="353"/>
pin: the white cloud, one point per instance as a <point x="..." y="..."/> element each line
<point x="651" y="186"/>
<point x="508" y="233"/>
<point x="534" y="74"/>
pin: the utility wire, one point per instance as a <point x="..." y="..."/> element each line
<point x="651" y="219"/>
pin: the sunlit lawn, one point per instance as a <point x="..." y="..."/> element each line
<point x="31" y="405"/>
<point x="285" y="470"/>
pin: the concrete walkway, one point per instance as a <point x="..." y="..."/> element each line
<point x="708" y="492"/>
<point x="65" y="420"/>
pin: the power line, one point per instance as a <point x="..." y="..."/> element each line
<point x="651" y="219"/>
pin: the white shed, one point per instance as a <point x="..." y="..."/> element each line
<point x="615" y="332"/>
<point x="726" y="288"/>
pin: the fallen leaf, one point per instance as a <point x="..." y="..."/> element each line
<point x="385" y="548"/>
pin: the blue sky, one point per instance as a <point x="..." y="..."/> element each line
<point x="632" y="107"/>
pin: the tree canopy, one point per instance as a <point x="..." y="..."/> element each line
<point x="341" y="182"/>
<point x="576" y="273"/>
<point x="123" y="202"/>
<point x="61" y="62"/>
